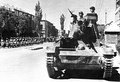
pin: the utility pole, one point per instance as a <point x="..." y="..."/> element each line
<point x="105" y="17"/>
<point x="45" y="16"/>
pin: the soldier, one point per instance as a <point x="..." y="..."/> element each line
<point x="73" y="25"/>
<point x="81" y="16"/>
<point x="92" y="9"/>
<point x="81" y="21"/>
<point x="74" y="28"/>
<point x="91" y="32"/>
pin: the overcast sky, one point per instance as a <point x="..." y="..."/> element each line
<point x="54" y="8"/>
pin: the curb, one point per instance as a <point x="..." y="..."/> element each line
<point x="37" y="48"/>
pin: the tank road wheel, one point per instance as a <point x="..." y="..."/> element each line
<point x="108" y="68"/>
<point x="53" y="71"/>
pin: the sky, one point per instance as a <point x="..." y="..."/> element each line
<point x="52" y="9"/>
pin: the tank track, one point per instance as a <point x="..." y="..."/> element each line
<point x="53" y="71"/>
<point x="108" y="65"/>
<point x="50" y="65"/>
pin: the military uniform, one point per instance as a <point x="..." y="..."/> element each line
<point x="73" y="28"/>
<point x="75" y="31"/>
<point x="93" y="32"/>
<point x="81" y="23"/>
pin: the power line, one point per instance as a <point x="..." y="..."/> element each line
<point x="105" y="17"/>
<point x="96" y="3"/>
<point x="99" y="5"/>
<point x="88" y="3"/>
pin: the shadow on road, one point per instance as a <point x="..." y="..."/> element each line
<point x="89" y="74"/>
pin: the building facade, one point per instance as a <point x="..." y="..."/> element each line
<point x="117" y="12"/>
<point x="48" y="30"/>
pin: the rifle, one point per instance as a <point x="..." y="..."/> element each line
<point x="71" y="13"/>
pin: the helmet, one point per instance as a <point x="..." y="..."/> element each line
<point x="81" y="13"/>
<point x="92" y="7"/>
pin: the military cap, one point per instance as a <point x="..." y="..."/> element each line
<point x="81" y="13"/>
<point x="92" y="7"/>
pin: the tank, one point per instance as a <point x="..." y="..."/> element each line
<point x="71" y="54"/>
<point x="65" y="54"/>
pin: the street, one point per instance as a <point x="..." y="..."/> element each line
<point x="24" y="64"/>
<point x="27" y="31"/>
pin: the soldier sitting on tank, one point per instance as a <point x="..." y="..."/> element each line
<point x="81" y="26"/>
<point x="81" y="21"/>
<point x="70" y="41"/>
<point x="75" y="30"/>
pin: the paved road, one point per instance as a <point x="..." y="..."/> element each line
<point x="28" y="65"/>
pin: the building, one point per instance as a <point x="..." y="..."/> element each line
<point x="23" y="22"/>
<point x="117" y="12"/>
<point x="112" y="34"/>
<point x="48" y="29"/>
<point x="24" y="14"/>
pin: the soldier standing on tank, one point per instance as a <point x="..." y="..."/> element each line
<point x="92" y="10"/>
<point x="81" y="16"/>
<point x="81" y="21"/>
<point x="91" y="31"/>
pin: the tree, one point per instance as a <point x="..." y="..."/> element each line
<point x="62" y="19"/>
<point x="38" y="17"/>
